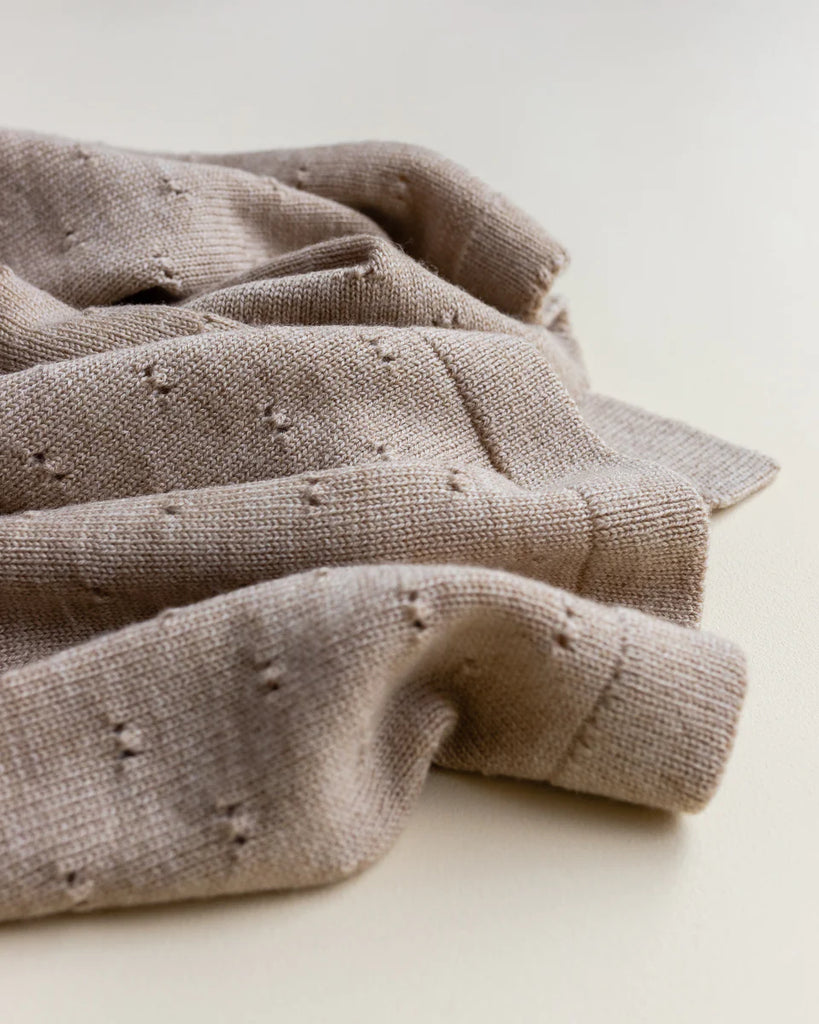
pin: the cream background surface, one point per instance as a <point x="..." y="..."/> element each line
<point x="674" y="148"/>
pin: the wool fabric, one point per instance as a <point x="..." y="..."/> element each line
<point x="303" y="488"/>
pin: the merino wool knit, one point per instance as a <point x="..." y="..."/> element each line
<point x="303" y="489"/>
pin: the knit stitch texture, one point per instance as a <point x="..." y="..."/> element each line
<point x="304" y="489"/>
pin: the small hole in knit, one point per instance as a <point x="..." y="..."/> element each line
<point x="543" y="276"/>
<point x="562" y="640"/>
<point x="157" y="387"/>
<point x="239" y="840"/>
<point x="382" y="348"/>
<point x="312" y="496"/>
<point x="270" y="674"/>
<point x="415" y="612"/>
<point x="71" y="877"/>
<point x="128" y="741"/>
<point x="39" y="457"/>
<point x="277" y="419"/>
<point x="172" y="187"/>
<point x="171" y="510"/>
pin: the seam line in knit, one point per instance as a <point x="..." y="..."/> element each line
<point x="469" y="409"/>
<point x="578" y="737"/>
<point x="580" y="580"/>
<point x="478" y="218"/>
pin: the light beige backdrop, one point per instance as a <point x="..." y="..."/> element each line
<point x="674" y="148"/>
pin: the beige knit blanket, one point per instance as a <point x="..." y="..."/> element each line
<point x="303" y="489"/>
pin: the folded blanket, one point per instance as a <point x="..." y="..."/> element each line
<point x="304" y="489"/>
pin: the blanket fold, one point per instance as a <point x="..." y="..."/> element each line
<point x="304" y="489"/>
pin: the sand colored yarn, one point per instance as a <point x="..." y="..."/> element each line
<point x="304" y="489"/>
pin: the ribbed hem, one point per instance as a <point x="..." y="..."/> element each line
<point x="662" y="728"/>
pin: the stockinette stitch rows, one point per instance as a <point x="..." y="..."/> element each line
<point x="303" y="489"/>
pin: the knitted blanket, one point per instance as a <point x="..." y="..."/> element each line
<point x="303" y="489"/>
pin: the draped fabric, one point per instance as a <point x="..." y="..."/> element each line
<point x="303" y="488"/>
